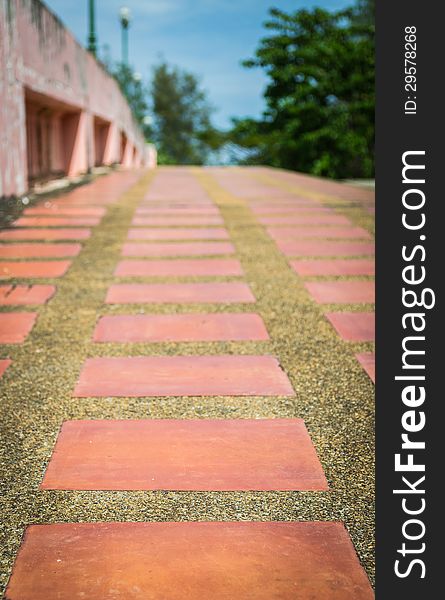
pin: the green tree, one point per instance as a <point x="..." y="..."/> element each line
<point x="183" y="130"/>
<point x="319" y="115"/>
<point x="135" y="92"/>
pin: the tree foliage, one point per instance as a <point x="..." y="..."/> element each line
<point x="319" y="115"/>
<point x="182" y="124"/>
<point x="135" y="92"/>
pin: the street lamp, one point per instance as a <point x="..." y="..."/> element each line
<point x="92" y="41"/>
<point x="124" y="16"/>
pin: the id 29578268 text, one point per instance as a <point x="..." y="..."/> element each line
<point x="410" y="49"/>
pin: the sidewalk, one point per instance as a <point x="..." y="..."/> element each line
<point x="186" y="398"/>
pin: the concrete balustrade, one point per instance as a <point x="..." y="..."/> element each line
<point x="61" y="113"/>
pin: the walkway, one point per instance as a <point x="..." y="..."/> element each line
<point x="187" y="400"/>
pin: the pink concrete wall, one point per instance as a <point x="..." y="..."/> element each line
<point x="12" y="113"/>
<point x="47" y="77"/>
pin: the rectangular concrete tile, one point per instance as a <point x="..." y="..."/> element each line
<point x="45" y="234"/>
<point x="200" y="207"/>
<point x="179" y="293"/>
<point x="342" y="292"/>
<point x="162" y="205"/>
<point x="367" y="360"/>
<point x="180" y="328"/>
<point x="273" y="200"/>
<point x="305" y="212"/>
<point x="51" y="209"/>
<point x="4" y="364"/>
<point x="283" y="203"/>
<point x="285" y="200"/>
<point x="178" y="268"/>
<point x="56" y="221"/>
<point x="14" y="327"/>
<point x="200" y="455"/>
<point x="279" y="209"/>
<point x="38" y="250"/>
<point x="22" y="295"/>
<point x="42" y="268"/>
<point x="286" y="233"/>
<point x="354" y="326"/>
<point x="215" y="233"/>
<point x="177" y="249"/>
<point x="167" y="221"/>
<point x="179" y="211"/>
<point x="188" y="561"/>
<point x="323" y="248"/>
<point x="164" y="201"/>
<point x="88" y="200"/>
<point x="333" y="267"/>
<point x="183" y="376"/>
<point x="312" y="219"/>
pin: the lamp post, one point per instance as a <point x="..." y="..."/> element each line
<point x="124" y="16"/>
<point x="92" y="40"/>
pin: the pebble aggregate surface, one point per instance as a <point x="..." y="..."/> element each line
<point x="332" y="393"/>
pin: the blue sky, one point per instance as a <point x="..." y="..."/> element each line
<point x="207" y="37"/>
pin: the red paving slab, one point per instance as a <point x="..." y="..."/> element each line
<point x="192" y="211"/>
<point x="38" y="250"/>
<point x="166" y="221"/>
<point x="323" y="248"/>
<point x="45" y="234"/>
<point x="342" y="292"/>
<point x="216" y="233"/>
<point x="162" y="203"/>
<point x="286" y="200"/>
<point x="200" y="455"/>
<point x="176" y="185"/>
<point x="86" y="200"/>
<point x="56" y="221"/>
<point x="34" y="268"/>
<point x="333" y="267"/>
<point x="188" y="561"/>
<point x="178" y="249"/>
<point x="178" y="268"/>
<point x="166" y="198"/>
<point x="285" y="233"/>
<point x="313" y="219"/>
<point x="97" y="194"/>
<point x="51" y="209"/>
<point x="23" y="295"/>
<point x="183" y="376"/>
<point x="180" y="328"/>
<point x="4" y="364"/>
<point x="244" y="186"/>
<point x="179" y="293"/>
<point x="14" y="327"/>
<point x="300" y="207"/>
<point x="367" y="360"/>
<point x="274" y="196"/>
<point x="354" y="326"/>
<point x="301" y="210"/>
<point x="318" y="185"/>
